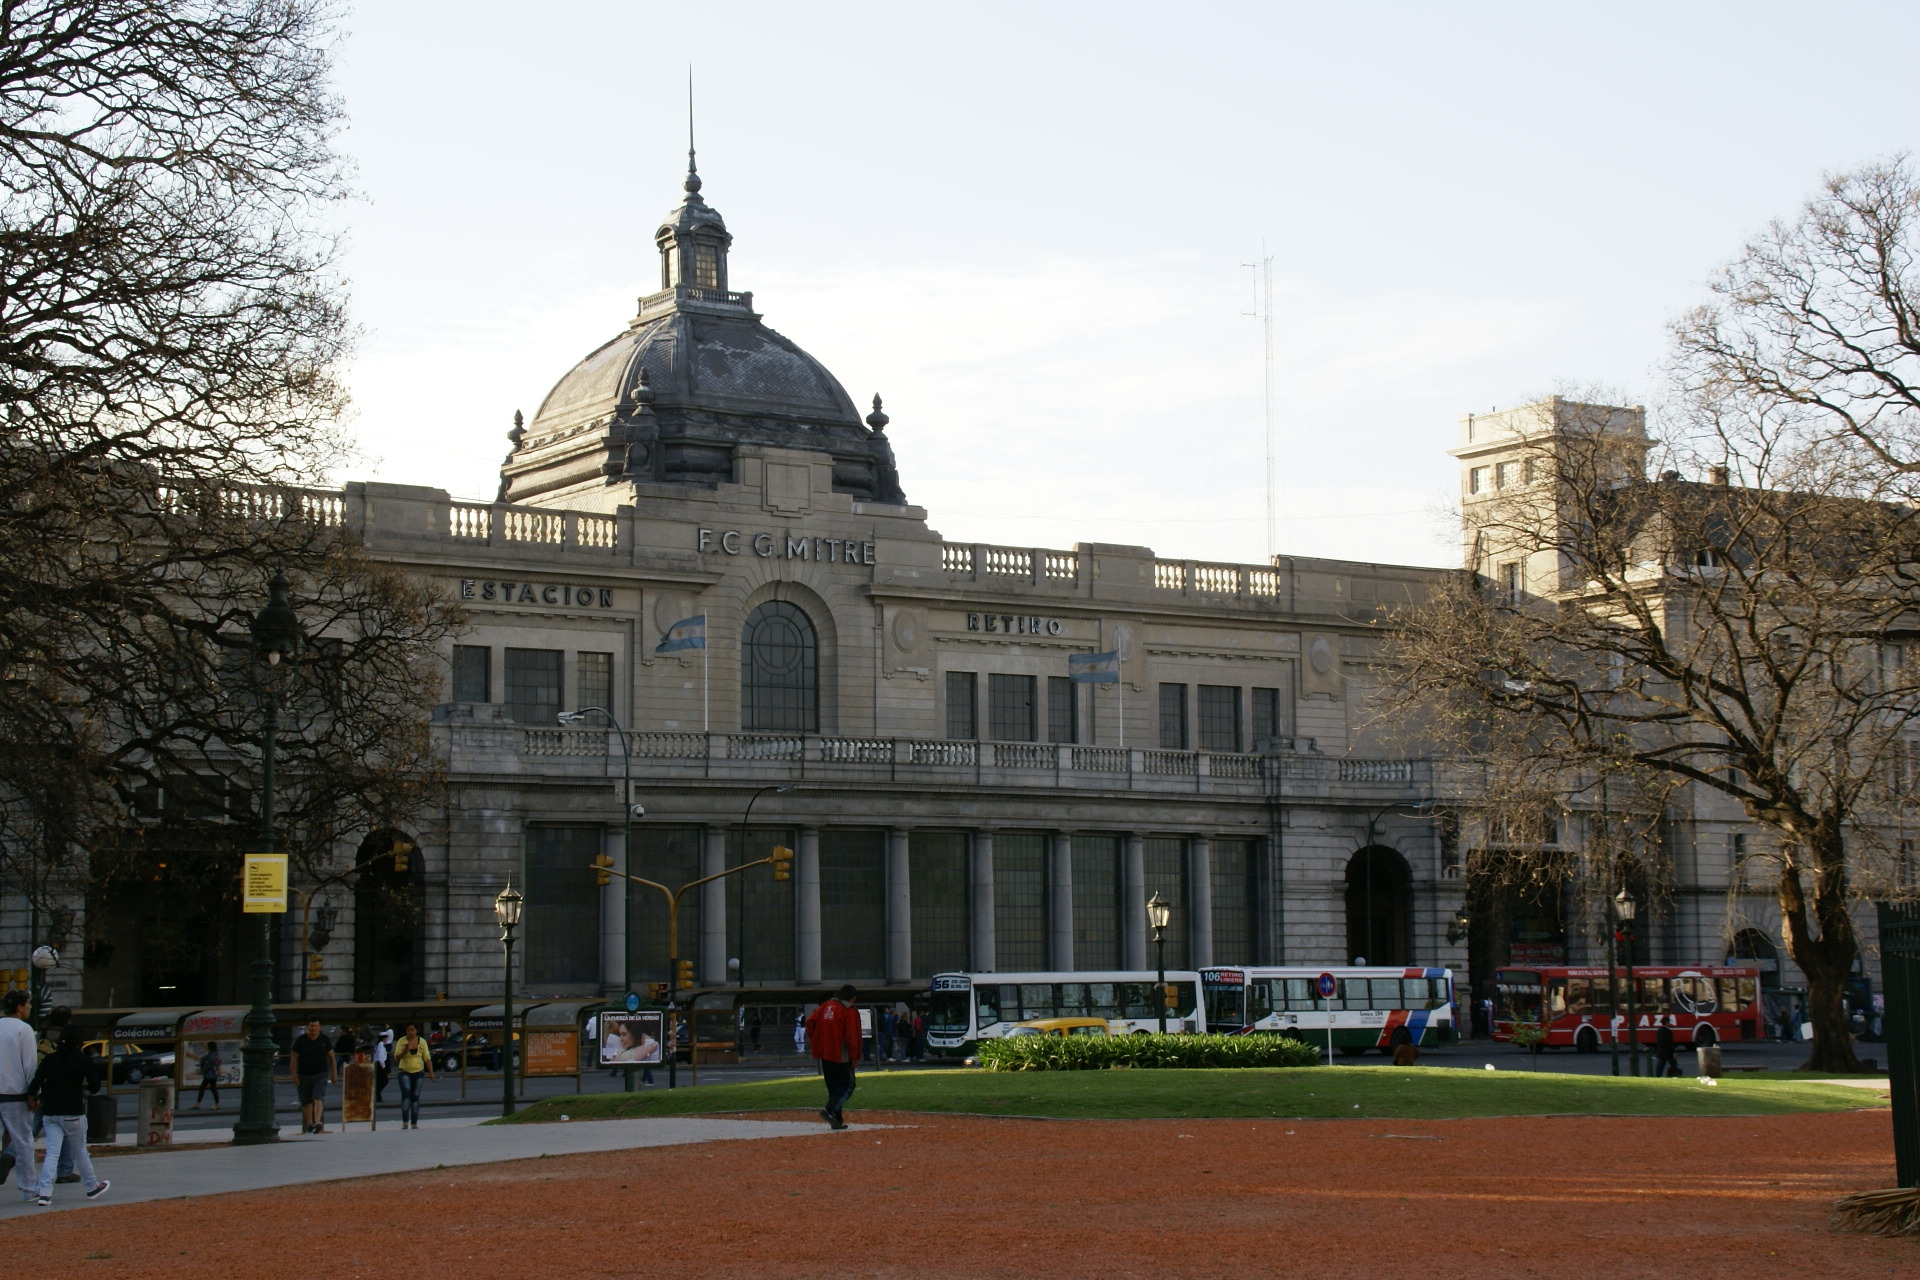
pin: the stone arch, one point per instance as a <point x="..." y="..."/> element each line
<point x="800" y="597"/>
<point x="1379" y="907"/>
<point x="389" y="952"/>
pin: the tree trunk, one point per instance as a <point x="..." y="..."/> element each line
<point x="1826" y="958"/>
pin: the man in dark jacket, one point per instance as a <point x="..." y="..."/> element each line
<point x="1664" y="1061"/>
<point x="833" y="1034"/>
<point x="60" y="1087"/>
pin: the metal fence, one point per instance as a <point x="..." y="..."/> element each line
<point x="1900" y="979"/>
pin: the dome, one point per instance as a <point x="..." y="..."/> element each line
<point x="695" y="376"/>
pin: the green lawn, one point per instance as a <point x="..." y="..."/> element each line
<point x="1416" y="1093"/>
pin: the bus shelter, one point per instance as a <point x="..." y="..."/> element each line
<point x="481" y="1045"/>
<point x="221" y="1032"/>
<point x="140" y="1046"/>
<point x="553" y="1035"/>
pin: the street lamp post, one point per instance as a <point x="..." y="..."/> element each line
<point x="740" y="961"/>
<point x="276" y="637"/>
<point x="506" y="910"/>
<point x="1624" y="909"/>
<point x="1158" y="913"/>
<point x="628" y="812"/>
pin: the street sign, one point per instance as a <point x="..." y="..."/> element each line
<point x="633" y="1002"/>
<point x="1325" y="986"/>
<point x="263" y="883"/>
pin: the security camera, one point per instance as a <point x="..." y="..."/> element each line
<point x="639" y="811"/>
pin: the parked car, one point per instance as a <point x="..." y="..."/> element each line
<point x="132" y="1063"/>
<point x="1062" y="1027"/>
<point x="479" y="1053"/>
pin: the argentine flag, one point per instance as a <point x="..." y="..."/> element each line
<point x="688" y="633"/>
<point x="1094" y="668"/>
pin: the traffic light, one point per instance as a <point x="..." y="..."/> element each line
<point x="782" y="862"/>
<point x="401" y="849"/>
<point x="603" y="868"/>
<point x="316" y="968"/>
<point x="1171" y="996"/>
<point x="683" y="974"/>
<point x="657" y="992"/>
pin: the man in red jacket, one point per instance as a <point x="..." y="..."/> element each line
<point x="833" y="1035"/>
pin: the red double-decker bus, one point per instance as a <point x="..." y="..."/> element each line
<point x="1703" y="1004"/>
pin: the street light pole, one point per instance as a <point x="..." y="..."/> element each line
<point x="1624" y="909"/>
<point x="506" y="910"/>
<point x="276" y="636"/>
<point x="1158" y="914"/>
<point x="626" y="847"/>
<point x="740" y="944"/>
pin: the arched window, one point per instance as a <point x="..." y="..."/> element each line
<point x="1379" y="907"/>
<point x="779" y="671"/>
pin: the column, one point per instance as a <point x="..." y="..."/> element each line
<point x="806" y="907"/>
<point x="713" y="911"/>
<point x="980" y="913"/>
<point x="1133" y="903"/>
<point x="1060" y="900"/>
<point x="1200" y="902"/>
<point x="899" y="908"/>
<point x="613" y="916"/>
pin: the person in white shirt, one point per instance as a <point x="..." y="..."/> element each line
<point x="18" y="1060"/>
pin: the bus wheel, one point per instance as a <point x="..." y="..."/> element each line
<point x="1704" y="1035"/>
<point x="1399" y="1037"/>
<point x="1587" y="1041"/>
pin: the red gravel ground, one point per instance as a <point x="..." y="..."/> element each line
<point x="964" y="1197"/>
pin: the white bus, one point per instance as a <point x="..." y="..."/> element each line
<point x="970" y="1007"/>
<point x="1371" y="1008"/>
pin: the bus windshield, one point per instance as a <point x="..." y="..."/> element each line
<point x="1226" y="1005"/>
<point x="951" y="1013"/>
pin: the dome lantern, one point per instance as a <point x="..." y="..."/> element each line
<point x="693" y="241"/>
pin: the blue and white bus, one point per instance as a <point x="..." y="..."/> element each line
<point x="970" y="1007"/>
<point x="1371" y="1008"/>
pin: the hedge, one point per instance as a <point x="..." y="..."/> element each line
<point x="1095" y="1053"/>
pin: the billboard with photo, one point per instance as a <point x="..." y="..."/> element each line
<point x="631" y="1037"/>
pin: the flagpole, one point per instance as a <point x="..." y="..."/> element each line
<point x="706" y="721"/>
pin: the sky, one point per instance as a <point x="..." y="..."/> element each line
<point x="1029" y="227"/>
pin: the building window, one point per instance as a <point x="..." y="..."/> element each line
<point x="562" y="906"/>
<point x="594" y="681"/>
<point x="1513" y="581"/>
<point x="937" y="879"/>
<point x="1063" y="710"/>
<point x="1232" y="874"/>
<point x="1173" y="717"/>
<point x="706" y="266"/>
<point x="1506" y="475"/>
<point x="533" y="685"/>
<point x="1477" y="480"/>
<point x="1219" y="717"/>
<point x="472" y="673"/>
<point x="963" y="705"/>
<point x="1010" y="710"/>
<point x="1019" y="902"/>
<point x="666" y="855"/>
<point x="759" y="908"/>
<point x="1166" y="867"/>
<point x="1266" y="718"/>
<point x="1096" y="902"/>
<point x="779" y="671"/>
<point x="853" y="903"/>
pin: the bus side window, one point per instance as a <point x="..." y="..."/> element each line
<point x="1556" y="998"/>
<point x="1260" y="1001"/>
<point x="1183" y="1000"/>
<point x="1036" y="1000"/>
<point x="1441" y="997"/>
<point x="1385" y="993"/>
<point x="1073" y="1000"/>
<point x="988" y="1000"/>
<point x="1579" y="997"/>
<point x="1102" y="1000"/>
<point x="1136" y="999"/>
<point x="1353" y="994"/>
<point x="1749" y="993"/>
<point x="1653" y="993"/>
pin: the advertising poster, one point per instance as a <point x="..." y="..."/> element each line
<point x="631" y="1037"/>
<point x="226" y="1059"/>
<point x="551" y="1053"/>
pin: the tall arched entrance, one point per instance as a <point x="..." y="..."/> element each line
<point x="387" y="952"/>
<point x="1379" y="907"/>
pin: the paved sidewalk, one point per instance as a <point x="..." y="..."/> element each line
<point x="358" y="1153"/>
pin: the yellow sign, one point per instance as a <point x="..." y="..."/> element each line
<point x="263" y="882"/>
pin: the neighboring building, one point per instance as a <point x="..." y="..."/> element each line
<point x="956" y="801"/>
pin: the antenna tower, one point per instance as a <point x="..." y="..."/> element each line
<point x="1263" y="302"/>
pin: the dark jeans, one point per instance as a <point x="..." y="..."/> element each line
<point x="839" y="1078"/>
<point x="208" y="1084"/>
<point x="410" y="1096"/>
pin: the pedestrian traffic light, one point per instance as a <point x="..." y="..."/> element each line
<point x="316" y="967"/>
<point x="782" y="862"/>
<point x="603" y="868"/>
<point x="683" y="974"/>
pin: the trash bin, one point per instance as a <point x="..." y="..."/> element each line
<point x="1709" y="1055"/>
<point x="103" y="1119"/>
<point x="156" y="1112"/>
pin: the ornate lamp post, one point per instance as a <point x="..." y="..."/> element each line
<point x="1158" y="913"/>
<point x="276" y="640"/>
<point x="506" y="910"/>
<point x="1624" y="909"/>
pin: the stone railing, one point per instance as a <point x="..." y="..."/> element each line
<point x="1042" y="567"/>
<point x="498" y="523"/>
<point x="723" y="756"/>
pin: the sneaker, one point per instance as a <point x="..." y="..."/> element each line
<point x="100" y="1189"/>
<point x="827" y="1116"/>
<point x="836" y="1122"/>
<point x="44" y="1201"/>
<point x="6" y="1166"/>
<point x="318" y="1129"/>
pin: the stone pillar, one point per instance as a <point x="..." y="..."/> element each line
<point x="980" y="905"/>
<point x="1133" y="903"/>
<point x="1200" y="903"/>
<point x="712" y="954"/>
<point x="1060" y="900"/>
<point x="613" y="916"/>
<point x="806" y="907"/>
<point x="899" y="908"/>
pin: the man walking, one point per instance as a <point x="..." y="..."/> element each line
<point x="833" y="1033"/>
<point x="18" y="1062"/>
<point x="315" y="1067"/>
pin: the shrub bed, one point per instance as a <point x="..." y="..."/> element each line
<point x="1095" y="1053"/>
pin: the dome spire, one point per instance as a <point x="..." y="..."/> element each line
<point x="692" y="184"/>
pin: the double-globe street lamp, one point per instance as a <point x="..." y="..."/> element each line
<point x="1158" y="914"/>
<point x="1624" y="910"/>
<point x="506" y="911"/>
<point x="277" y="639"/>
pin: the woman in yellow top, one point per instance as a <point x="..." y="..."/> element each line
<point x="411" y="1060"/>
